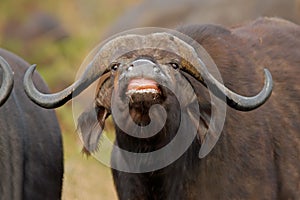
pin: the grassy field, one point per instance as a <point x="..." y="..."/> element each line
<point x="85" y="178"/>
<point x="58" y="61"/>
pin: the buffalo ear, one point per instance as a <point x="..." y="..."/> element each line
<point x="90" y="125"/>
<point x="202" y="121"/>
<point x="203" y="98"/>
<point x="208" y="122"/>
<point x="91" y="122"/>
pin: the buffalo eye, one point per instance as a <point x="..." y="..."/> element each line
<point x="174" y="65"/>
<point x="114" y="66"/>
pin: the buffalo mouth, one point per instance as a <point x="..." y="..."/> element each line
<point x="143" y="92"/>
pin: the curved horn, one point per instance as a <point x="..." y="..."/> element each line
<point x="244" y="103"/>
<point x="59" y="98"/>
<point x="234" y="100"/>
<point x="200" y="72"/>
<point x="7" y="81"/>
<point x="107" y="53"/>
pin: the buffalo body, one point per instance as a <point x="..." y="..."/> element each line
<point x="31" y="157"/>
<point x="258" y="153"/>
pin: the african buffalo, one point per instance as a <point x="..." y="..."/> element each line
<point x="158" y="78"/>
<point x="31" y="156"/>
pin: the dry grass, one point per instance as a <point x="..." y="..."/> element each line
<point x="85" y="178"/>
<point x="58" y="61"/>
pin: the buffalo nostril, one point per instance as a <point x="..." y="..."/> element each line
<point x="130" y="68"/>
<point x="156" y="69"/>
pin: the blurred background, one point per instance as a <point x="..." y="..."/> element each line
<point x="58" y="35"/>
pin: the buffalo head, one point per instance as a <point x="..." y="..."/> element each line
<point x="137" y="72"/>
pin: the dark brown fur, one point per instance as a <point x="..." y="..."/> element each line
<point x="258" y="153"/>
<point x="31" y="154"/>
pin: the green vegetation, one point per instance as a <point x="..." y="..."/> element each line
<point x="58" y="62"/>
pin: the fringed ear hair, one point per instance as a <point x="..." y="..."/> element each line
<point x="90" y="125"/>
<point x="91" y="122"/>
